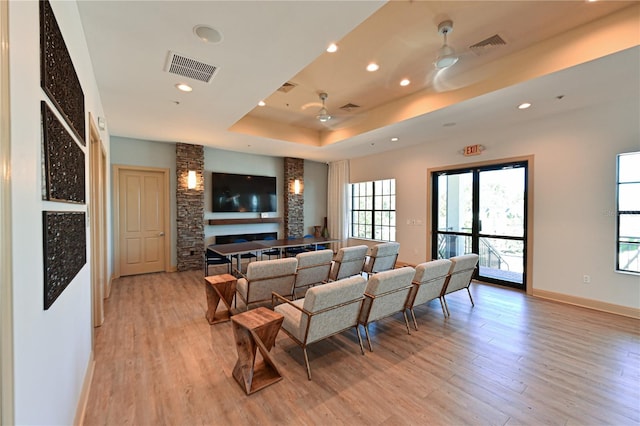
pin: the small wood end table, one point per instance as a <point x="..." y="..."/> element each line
<point x="256" y="329"/>
<point x="219" y="287"/>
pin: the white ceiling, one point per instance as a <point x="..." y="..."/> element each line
<point x="548" y="54"/>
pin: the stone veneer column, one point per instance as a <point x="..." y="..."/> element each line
<point x="190" y="207"/>
<point x="293" y="203"/>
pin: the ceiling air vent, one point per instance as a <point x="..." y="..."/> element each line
<point x="486" y="45"/>
<point x="286" y="87"/>
<point x="349" y="107"/>
<point x="189" y="67"/>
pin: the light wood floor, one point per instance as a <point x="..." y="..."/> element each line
<point x="510" y="360"/>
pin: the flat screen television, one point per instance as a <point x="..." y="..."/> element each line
<point x="244" y="193"/>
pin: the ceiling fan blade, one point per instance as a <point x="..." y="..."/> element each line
<point x="315" y="105"/>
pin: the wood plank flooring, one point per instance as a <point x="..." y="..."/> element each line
<point x="510" y="360"/>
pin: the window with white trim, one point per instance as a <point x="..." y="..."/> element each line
<point x="628" y="213"/>
<point x="373" y="210"/>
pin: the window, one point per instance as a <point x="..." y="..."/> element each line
<point x="628" y="212"/>
<point x="373" y="210"/>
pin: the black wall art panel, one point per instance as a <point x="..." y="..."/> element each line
<point x="65" y="251"/>
<point x="58" y="77"/>
<point x="64" y="161"/>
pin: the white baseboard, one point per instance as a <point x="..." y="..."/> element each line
<point x="588" y="303"/>
<point x="84" y="394"/>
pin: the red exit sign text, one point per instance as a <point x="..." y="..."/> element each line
<point x="472" y="150"/>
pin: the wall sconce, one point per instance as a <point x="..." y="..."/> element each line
<point x="296" y="186"/>
<point x="191" y="179"/>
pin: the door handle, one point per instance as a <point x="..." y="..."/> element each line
<point x="161" y="234"/>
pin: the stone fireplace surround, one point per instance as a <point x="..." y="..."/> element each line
<point x="190" y="206"/>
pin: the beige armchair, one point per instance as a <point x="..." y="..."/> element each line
<point x="385" y="295"/>
<point x="313" y="269"/>
<point x="428" y="283"/>
<point x="460" y="274"/>
<point x="326" y="310"/>
<point x="265" y="276"/>
<point x="382" y="258"/>
<point x="348" y="262"/>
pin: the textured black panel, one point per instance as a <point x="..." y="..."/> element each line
<point x="64" y="171"/>
<point x="65" y="251"/>
<point x="58" y="77"/>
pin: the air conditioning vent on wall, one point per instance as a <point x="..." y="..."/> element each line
<point x="188" y="67"/>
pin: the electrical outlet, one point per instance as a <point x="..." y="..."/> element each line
<point x="586" y="279"/>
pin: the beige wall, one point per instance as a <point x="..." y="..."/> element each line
<point x="574" y="200"/>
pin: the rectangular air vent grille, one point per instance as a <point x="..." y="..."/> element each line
<point x="487" y="44"/>
<point x="349" y="107"/>
<point x="190" y="68"/>
<point x="287" y="87"/>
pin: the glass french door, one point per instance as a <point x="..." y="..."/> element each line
<point x="483" y="210"/>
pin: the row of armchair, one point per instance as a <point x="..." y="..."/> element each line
<point x="291" y="276"/>
<point x="337" y="306"/>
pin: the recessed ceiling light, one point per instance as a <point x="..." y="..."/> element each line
<point x="372" y="67"/>
<point x="394" y="139"/>
<point x="261" y="103"/>
<point x="207" y="34"/>
<point x="524" y="105"/>
<point x="332" y="48"/>
<point x="184" y="87"/>
<point x="405" y="82"/>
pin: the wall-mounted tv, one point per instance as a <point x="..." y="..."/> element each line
<point x="244" y="193"/>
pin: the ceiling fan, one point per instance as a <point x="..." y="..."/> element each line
<point x="446" y="54"/>
<point x="347" y="116"/>
<point x="323" y="114"/>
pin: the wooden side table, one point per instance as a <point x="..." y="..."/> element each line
<point x="253" y="329"/>
<point x="219" y="287"/>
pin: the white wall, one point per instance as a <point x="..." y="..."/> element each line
<point x="52" y="348"/>
<point x="574" y="194"/>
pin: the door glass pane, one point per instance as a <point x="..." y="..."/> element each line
<point x="629" y="245"/>
<point x="501" y="259"/>
<point x="629" y="167"/>
<point x="502" y="202"/>
<point x="453" y="245"/>
<point x="629" y="196"/>
<point x="455" y="208"/>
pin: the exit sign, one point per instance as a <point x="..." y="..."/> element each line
<point x="472" y="150"/>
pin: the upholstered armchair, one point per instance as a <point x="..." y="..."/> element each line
<point x="313" y="269"/>
<point x="428" y="283"/>
<point x="326" y="310"/>
<point x="348" y="262"/>
<point x="265" y="276"/>
<point x="386" y="294"/>
<point x="460" y="274"/>
<point x="382" y="258"/>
